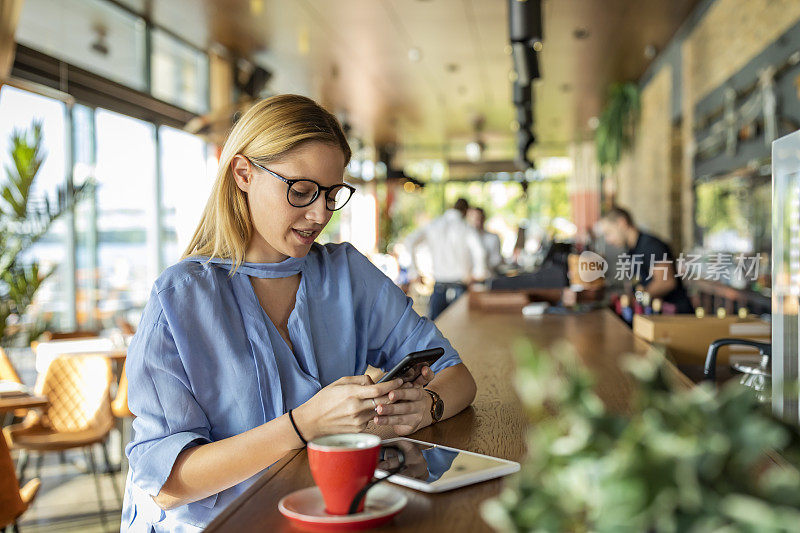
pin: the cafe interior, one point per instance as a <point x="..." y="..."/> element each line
<point x="622" y="282"/>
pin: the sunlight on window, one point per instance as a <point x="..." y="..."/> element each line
<point x="18" y="110"/>
<point x="186" y="185"/>
<point x="127" y="258"/>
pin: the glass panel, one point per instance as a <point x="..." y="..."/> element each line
<point x="91" y="34"/>
<point x="187" y="175"/>
<point x="127" y="252"/>
<point x="85" y="220"/>
<point x="786" y="275"/>
<point x="180" y="73"/>
<point x="733" y="214"/>
<point x="18" y="109"/>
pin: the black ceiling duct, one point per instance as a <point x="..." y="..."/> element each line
<point x="251" y="79"/>
<point x="524" y="115"/>
<point x="526" y="63"/>
<point x="521" y="93"/>
<point x="525" y="21"/>
<point x="525" y="140"/>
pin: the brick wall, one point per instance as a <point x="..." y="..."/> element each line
<point x="730" y="34"/>
<point x="644" y="176"/>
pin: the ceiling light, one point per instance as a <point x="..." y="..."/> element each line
<point x="414" y="54"/>
<point x="256" y="6"/>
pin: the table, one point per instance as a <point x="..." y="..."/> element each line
<point x="26" y="401"/>
<point x="495" y="424"/>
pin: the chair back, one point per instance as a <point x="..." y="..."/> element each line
<point x="11" y="504"/>
<point x="7" y="371"/>
<point x="45" y="352"/>
<point x="78" y="389"/>
<point x="120" y="404"/>
<point x="68" y="335"/>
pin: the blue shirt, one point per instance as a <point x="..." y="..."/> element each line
<point x="207" y="363"/>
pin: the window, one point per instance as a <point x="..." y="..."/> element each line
<point x="18" y="110"/>
<point x="187" y="175"/>
<point x="127" y="241"/>
<point x="180" y="73"/>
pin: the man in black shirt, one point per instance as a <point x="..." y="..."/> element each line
<point x="650" y="259"/>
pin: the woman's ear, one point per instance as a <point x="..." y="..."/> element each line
<point x="242" y="172"/>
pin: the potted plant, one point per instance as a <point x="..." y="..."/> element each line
<point x="683" y="460"/>
<point x="615" y="130"/>
<point x="24" y="219"/>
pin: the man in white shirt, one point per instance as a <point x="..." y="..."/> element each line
<point x="457" y="255"/>
<point x="491" y="241"/>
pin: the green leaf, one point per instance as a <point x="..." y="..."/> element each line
<point x="24" y="219"/>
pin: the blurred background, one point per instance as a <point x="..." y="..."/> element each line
<point x="544" y="114"/>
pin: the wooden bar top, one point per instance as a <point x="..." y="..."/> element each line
<point x="494" y="425"/>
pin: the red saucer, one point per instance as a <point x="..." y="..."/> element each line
<point x="306" y="510"/>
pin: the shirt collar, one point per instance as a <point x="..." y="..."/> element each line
<point x="452" y="214"/>
<point x="286" y="268"/>
<point x="636" y="246"/>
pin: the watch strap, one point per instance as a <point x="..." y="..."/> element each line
<point x="436" y="400"/>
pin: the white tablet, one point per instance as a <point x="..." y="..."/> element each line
<point x="434" y="468"/>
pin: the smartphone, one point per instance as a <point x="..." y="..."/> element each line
<point x="410" y="367"/>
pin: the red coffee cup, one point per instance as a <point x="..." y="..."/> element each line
<point x="342" y="467"/>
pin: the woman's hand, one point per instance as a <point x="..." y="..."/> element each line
<point x="409" y="407"/>
<point x="344" y="406"/>
<point x="415" y="464"/>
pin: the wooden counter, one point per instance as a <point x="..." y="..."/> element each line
<point x="494" y="425"/>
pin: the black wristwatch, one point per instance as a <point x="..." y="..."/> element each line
<point x="437" y="407"/>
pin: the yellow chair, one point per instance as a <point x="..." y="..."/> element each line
<point x="13" y="500"/>
<point x="120" y="404"/>
<point x="78" y="416"/>
<point x="7" y="370"/>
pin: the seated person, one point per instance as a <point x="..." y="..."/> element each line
<point x="258" y="340"/>
<point x="652" y="261"/>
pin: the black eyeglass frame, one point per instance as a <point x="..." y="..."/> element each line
<point x="320" y="188"/>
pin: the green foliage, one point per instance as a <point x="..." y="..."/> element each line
<point x="24" y="220"/>
<point x="683" y="460"/>
<point x="615" y="132"/>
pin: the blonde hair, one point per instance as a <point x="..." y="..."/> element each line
<point x="266" y="132"/>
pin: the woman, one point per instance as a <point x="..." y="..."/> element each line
<point x="258" y="340"/>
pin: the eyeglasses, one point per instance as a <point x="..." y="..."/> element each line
<point x="303" y="192"/>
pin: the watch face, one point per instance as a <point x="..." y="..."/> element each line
<point x="438" y="409"/>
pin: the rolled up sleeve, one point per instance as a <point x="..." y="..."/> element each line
<point x="168" y="416"/>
